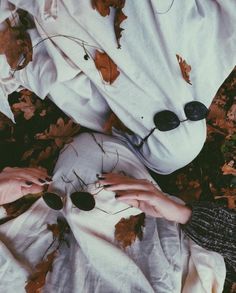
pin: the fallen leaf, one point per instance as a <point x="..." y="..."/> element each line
<point x="106" y="66"/>
<point x="228" y="169"/>
<point x="26" y="106"/>
<point x="127" y="230"/>
<point x="114" y="121"/>
<point x="119" y="18"/>
<point x="61" y="132"/>
<point x="43" y="156"/>
<point x="103" y="7"/>
<point x="16" y="44"/>
<point x="231" y="114"/>
<point x="185" y="68"/>
<point x="37" y="281"/>
<point x="55" y="229"/>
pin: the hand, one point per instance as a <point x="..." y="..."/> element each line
<point x="17" y="182"/>
<point x="143" y="194"/>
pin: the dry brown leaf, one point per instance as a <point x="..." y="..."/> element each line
<point x="103" y="7"/>
<point x="231" y="114"/>
<point x="38" y="279"/>
<point x="119" y="18"/>
<point x="106" y="66"/>
<point x="61" y="132"/>
<point x="114" y="121"/>
<point x="228" y="169"/>
<point x="127" y="230"/>
<point x="55" y="229"/>
<point x="185" y="68"/>
<point x="230" y="195"/>
<point x="26" y="106"/>
<point x="16" y="44"/>
<point x="43" y="156"/>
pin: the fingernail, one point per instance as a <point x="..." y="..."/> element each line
<point x="29" y="183"/>
<point x="41" y="180"/>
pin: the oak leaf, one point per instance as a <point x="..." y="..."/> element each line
<point x="106" y="66"/>
<point x="61" y="132"/>
<point x="127" y="230"/>
<point x="26" y="106"/>
<point x="185" y="68"/>
<point x="16" y="44"/>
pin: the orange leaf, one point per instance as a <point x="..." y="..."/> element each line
<point x="61" y="132"/>
<point x="103" y="7"/>
<point x="119" y="18"/>
<point x="185" y="68"/>
<point x="38" y="279"/>
<point x="106" y="66"/>
<point x="26" y="106"/>
<point x="16" y="44"/>
<point x="228" y="169"/>
<point x="127" y="230"/>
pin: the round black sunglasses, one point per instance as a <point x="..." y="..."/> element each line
<point x="167" y="120"/>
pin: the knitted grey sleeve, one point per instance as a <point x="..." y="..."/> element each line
<point x="214" y="227"/>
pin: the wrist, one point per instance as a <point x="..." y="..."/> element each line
<point x="185" y="214"/>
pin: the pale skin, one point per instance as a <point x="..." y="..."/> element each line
<point x="17" y="182"/>
<point x="144" y="194"/>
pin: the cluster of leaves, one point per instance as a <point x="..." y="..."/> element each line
<point x="212" y="175"/>
<point x="37" y="280"/>
<point x="40" y="132"/>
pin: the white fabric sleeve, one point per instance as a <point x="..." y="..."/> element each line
<point x="6" y="9"/>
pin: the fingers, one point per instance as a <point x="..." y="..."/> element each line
<point x="32" y="189"/>
<point x="136" y="195"/>
<point x="115" y="182"/>
<point x="34" y="175"/>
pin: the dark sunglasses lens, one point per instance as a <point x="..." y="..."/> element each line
<point x="53" y="200"/>
<point x="166" y="120"/>
<point x="83" y="200"/>
<point x="195" y="111"/>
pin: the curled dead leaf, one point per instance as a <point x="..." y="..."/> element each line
<point x="127" y="230"/>
<point x="16" y="44"/>
<point x="228" y="169"/>
<point x="106" y="66"/>
<point x="37" y="281"/>
<point x="61" y="132"/>
<point x="103" y="7"/>
<point x="185" y="68"/>
<point x="119" y="18"/>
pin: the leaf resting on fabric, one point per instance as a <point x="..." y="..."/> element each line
<point x="106" y="66"/>
<point x="127" y="230"/>
<point x="185" y="68"/>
